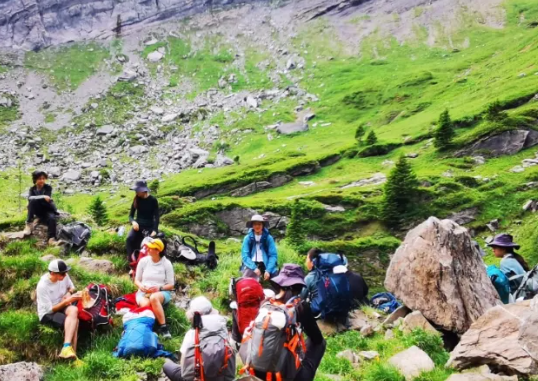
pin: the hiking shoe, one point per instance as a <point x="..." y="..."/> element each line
<point x="68" y="353"/>
<point x="28" y="229"/>
<point x="164" y="332"/>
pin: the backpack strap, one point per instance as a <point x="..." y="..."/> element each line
<point x="198" y="361"/>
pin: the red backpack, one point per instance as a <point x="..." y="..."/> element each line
<point x="249" y="296"/>
<point x="97" y="309"/>
<point x="135" y="259"/>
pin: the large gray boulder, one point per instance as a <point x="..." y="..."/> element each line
<point x="292" y="128"/>
<point x="438" y="271"/>
<point x="505" y="143"/>
<point x="528" y="333"/>
<point x="21" y="371"/>
<point x="412" y="362"/>
<point x="494" y="339"/>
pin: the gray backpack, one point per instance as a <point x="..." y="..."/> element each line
<point x="274" y="344"/>
<point x="211" y="357"/>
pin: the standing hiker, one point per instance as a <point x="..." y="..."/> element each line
<point x="41" y="205"/>
<point x="146" y="222"/>
<point x="155" y="279"/>
<point x="55" y="305"/>
<point x="259" y="250"/>
<point x="512" y="264"/>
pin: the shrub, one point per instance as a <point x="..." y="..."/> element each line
<point x="494" y="112"/>
<point x="382" y="372"/>
<point x="104" y="243"/>
<point x="378" y="149"/>
<point x="359" y="133"/>
<point x="430" y="343"/>
<point x="401" y="190"/>
<point x="371" y="139"/>
<point x="98" y="211"/>
<point x="154" y="186"/>
<point x="445" y="132"/>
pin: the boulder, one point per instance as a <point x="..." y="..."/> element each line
<point x="223" y="160"/>
<point x="349" y="355"/>
<point x="439" y="272"/>
<point x="71" y="175"/>
<point x="505" y="143"/>
<point x="464" y="217"/>
<point x="416" y="320"/>
<point x="105" y="130"/>
<point x="236" y="219"/>
<point x="169" y="118"/>
<point x="155" y="56"/>
<point x="528" y="334"/>
<point x="21" y="371"/>
<point x="358" y="320"/>
<point x="377" y="179"/>
<point x="400" y="312"/>
<point x="292" y="128"/>
<point x="103" y="266"/>
<point x="482" y="373"/>
<point x="128" y="76"/>
<point x="367" y="330"/>
<point x="369" y="355"/>
<point x="137" y="150"/>
<point x="494" y="339"/>
<point x="412" y="362"/>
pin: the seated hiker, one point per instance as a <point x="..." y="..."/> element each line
<point x="289" y="318"/>
<point x="41" y="205"/>
<point x="155" y="279"/>
<point x="259" y="250"/>
<point x="55" y="305"/>
<point x="146" y="222"/>
<point x="217" y="359"/>
<point x="512" y="264"/>
<point x="320" y="263"/>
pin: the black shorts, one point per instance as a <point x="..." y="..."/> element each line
<point x="54" y="319"/>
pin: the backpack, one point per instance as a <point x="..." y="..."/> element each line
<point x="136" y="256"/>
<point x="385" y="301"/>
<point x="248" y="293"/>
<point x="96" y="307"/>
<point x="182" y="251"/>
<point x="75" y="236"/>
<point x="500" y="282"/>
<point x="274" y="343"/>
<point x="210" y="357"/>
<point x="333" y="291"/>
<point x="529" y="285"/>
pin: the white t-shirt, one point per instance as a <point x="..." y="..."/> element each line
<point x="258" y="255"/>
<point x="152" y="274"/>
<point x="51" y="293"/>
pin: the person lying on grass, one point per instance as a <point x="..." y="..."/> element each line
<point x="41" y="205"/>
<point x="56" y="305"/>
<point x="155" y="279"/>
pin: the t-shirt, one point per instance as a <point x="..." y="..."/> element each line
<point x="51" y="293"/>
<point x="258" y="254"/>
<point x="147" y="213"/>
<point x="152" y="274"/>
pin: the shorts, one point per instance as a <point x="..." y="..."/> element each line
<point x="54" y="319"/>
<point x="167" y="296"/>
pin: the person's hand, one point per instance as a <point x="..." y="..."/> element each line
<point x="153" y="234"/>
<point x="266" y="276"/>
<point x="136" y="227"/>
<point x="47" y="198"/>
<point x="143" y="289"/>
<point x="75" y="298"/>
<point x="153" y="289"/>
<point x="258" y="272"/>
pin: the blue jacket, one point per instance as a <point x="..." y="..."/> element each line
<point x="270" y="255"/>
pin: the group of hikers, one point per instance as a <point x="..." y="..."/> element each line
<point x="271" y="307"/>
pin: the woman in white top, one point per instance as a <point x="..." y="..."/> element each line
<point x="155" y="279"/>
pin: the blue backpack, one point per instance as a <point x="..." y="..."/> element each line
<point x="385" y="301"/>
<point x="500" y="282"/>
<point x="333" y="293"/>
<point x="139" y="340"/>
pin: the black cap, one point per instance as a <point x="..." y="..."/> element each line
<point x="140" y="186"/>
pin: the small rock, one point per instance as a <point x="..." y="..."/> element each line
<point x="389" y="334"/>
<point x="103" y="266"/>
<point x="105" y="130"/>
<point x="169" y="118"/>
<point x="292" y="128"/>
<point x="47" y="258"/>
<point x="478" y="160"/>
<point x="138" y="149"/>
<point x="369" y="355"/>
<point x="412" y="362"/>
<point x="156" y="110"/>
<point x="412" y="155"/>
<point x="517" y="169"/>
<point x="128" y="76"/>
<point x="290" y="65"/>
<point x="21" y="371"/>
<point x="71" y="175"/>
<point x="367" y="330"/>
<point x="416" y="320"/>
<point x="349" y="355"/>
<point x="334" y="209"/>
<point x="251" y="102"/>
<point x="155" y="56"/>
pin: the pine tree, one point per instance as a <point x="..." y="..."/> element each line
<point x="154" y="186"/>
<point x="359" y="133"/>
<point x="295" y="232"/>
<point x="371" y="139"/>
<point x="97" y="210"/>
<point x="445" y="132"/>
<point x="494" y="112"/>
<point x="401" y="190"/>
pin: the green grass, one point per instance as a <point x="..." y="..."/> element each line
<point x="68" y="66"/>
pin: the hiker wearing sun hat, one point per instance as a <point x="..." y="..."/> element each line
<point x="55" y="298"/>
<point x="259" y="252"/>
<point x="155" y="280"/>
<point x="512" y="264"/>
<point x="146" y="208"/>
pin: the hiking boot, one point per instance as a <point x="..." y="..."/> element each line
<point x="68" y="353"/>
<point x="52" y="242"/>
<point x="164" y="332"/>
<point x="28" y="229"/>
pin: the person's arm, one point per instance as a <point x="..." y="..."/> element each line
<point x="48" y="190"/>
<point x="132" y="213"/>
<point x="138" y="277"/>
<point x="272" y="255"/>
<point x="246" y="254"/>
<point x="32" y="195"/>
<point x="308" y="322"/>
<point x="156" y="216"/>
<point x="170" y="280"/>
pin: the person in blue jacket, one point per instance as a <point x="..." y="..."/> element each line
<point x="512" y="264"/>
<point x="259" y="250"/>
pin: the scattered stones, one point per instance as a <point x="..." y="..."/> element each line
<point x="105" y="130"/>
<point x="137" y="150"/>
<point x="438" y="271"/>
<point x="169" y="118"/>
<point x="412" y="362"/>
<point x="377" y="179"/>
<point x="156" y="110"/>
<point x="21" y="371"/>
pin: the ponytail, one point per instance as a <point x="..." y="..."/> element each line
<point x="135" y="202"/>
<point x="521" y="261"/>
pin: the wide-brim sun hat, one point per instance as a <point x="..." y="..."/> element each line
<point x="140" y="186"/>
<point x="257" y="218"/>
<point x="155" y="244"/>
<point x="202" y="305"/>
<point x="58" y="266"/>
<point x="504" y="240"/>
<point x="290" y="275"/>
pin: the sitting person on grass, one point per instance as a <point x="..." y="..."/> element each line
<point x="41" y="205"/>
<point x="259" y="250"/>
<point x="56" y="305"/>
<point x="513" y="265"/>
<point x="155" y="280"/>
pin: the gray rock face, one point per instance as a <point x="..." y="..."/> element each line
<point x="251" y="188"/>
<point x="36" y="24"/>
<point x="438" y="271"/>
<point x="21" y="371"/>
<point x="481" y="374"/>
<point x="506" y="143"/>
<point x="292" y="128"/>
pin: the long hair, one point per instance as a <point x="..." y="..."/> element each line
<point x="135" y="202"/>
<point x="521" y="260"/>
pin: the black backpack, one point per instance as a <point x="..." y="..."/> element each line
<point x="75" y="236"/>
<point x="182" y="251"/>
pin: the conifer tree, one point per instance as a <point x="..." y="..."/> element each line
<point x="359" y="133"/>
<point x="401" y="190"/>
<point x="445" y="132"/>
<point x="371" y="139"/>
<point x="98" y="211"/>
<point x="154" y="186"/>
<point x="295" y="232"/>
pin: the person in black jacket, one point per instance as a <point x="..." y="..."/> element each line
<point x="146" y="208"/>
<point x="41" y="205"/>
<point x="289" y="284"/>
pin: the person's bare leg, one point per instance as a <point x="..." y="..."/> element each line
<point x="157" y="300"/>
<point x="71" y="325"/>
<point x="75" y="336"/>
<point x="144" y="302"/>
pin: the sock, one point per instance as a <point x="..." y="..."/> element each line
<point x="67" y="345"/>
